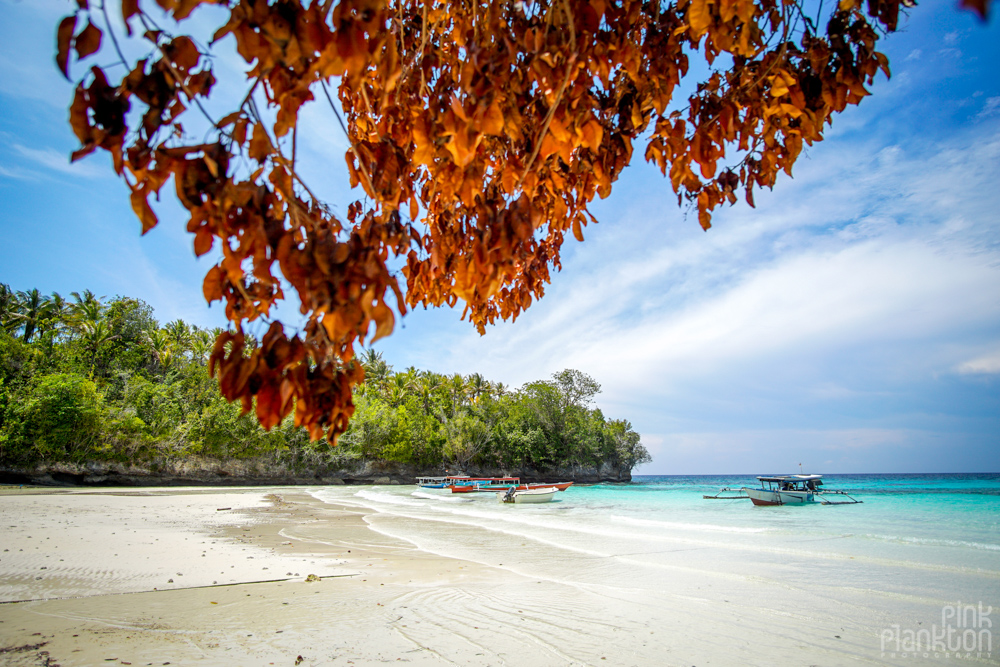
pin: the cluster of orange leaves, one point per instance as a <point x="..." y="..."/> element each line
<point x="480" y="133"/>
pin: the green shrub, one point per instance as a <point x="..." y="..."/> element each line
<point x="58" y="419"/>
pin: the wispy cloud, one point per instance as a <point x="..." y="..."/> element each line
<point x="19" y="174"/>
<point x="987" y="364"/>
<point x="990" y="107"/>
<point x="59" y="162"/>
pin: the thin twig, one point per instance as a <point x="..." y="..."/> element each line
<point x="570" y="66"/>
<point x="423" y="44"/>
<point x="280" y="158"/>
<point x="399" y="18"/>
<point x="187" y="91"/>
<point x="364" y="96"/>
<point x="354" y="148"/>
<point x="570" y="19"/>
<point x="111" y="33"/>
<point x="250" y="92"/>
<point x="548" y="119"/>
<point x="177" y="76"/>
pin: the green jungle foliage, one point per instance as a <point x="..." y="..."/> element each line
<point x="91" y="380"/>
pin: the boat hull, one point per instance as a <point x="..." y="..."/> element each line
<point x="529" y="496"/>
<point x="767" y="498"/>
<point x="559" y="486"/>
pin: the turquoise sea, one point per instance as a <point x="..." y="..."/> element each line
<point x="832" y="580"/>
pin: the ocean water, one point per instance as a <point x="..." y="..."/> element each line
<point x="830" y="580"/>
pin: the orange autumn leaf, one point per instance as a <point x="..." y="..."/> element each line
<point x="88" y="41"/>
<point x="64" y="39"/>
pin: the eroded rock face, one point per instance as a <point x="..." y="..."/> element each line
<point x="240" y="472"/>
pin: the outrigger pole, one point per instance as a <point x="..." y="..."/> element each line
<point x="849" y="501"/>
<point x="740" y="493"/>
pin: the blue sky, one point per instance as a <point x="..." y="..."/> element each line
<point x="851" y="322"/>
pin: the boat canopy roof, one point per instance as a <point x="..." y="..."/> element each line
<point x="791" y="478"/>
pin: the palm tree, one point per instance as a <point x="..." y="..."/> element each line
<point x="33" y="309"/>
<point x="376" y="370"/>
<point x="396" y="394"/>
<point x="477" y="386"/>
<point x="8" y="304"/>
<point x="457" y="388"/>
<point x="161" y="346"/>
<point x="429" y="384"/>
<point x="94" y="335"/>
<point x="180" y="336"/>
<point x="87" y="307"/>
<point x="201" y="345"/>
<point x="60" y="312"/>
<point x="412" y="380"/>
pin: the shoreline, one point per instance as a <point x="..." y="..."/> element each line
<point x="212" y="473"/>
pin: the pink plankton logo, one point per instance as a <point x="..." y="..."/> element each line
<point x="965" y="633"/>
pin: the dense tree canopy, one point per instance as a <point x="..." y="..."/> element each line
<point x="104" y="381"/>
<point x="479" y="133"/>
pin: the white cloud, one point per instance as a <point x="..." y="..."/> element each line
<point x="818" y="299"/>
<point x="56" y="161"/>
<point x="19" y="174"/>
<point x="990" y="108"/>
<point x="987" y="364"/>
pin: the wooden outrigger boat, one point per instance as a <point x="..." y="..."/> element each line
<point x="558" y="486"/>
<point x="513" y="495"/>
<point x="466" y="484"/>
<point x="504" y="485"/>
<point x="787" y="490"/>
<point x="483" y="484"/>
<point x="432" y="482"/>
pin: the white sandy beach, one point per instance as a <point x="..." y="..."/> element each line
<point x="157" y="576"/>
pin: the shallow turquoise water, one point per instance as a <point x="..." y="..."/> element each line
<point x="959" y="512"/>
<point x="924" y="524"/>
<point x="828" y="578"/>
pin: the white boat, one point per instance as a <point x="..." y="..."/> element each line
<point x="528" y="495"/>
<point x="785" y="490"/>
